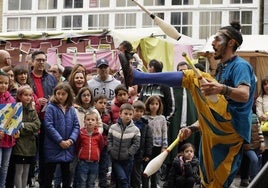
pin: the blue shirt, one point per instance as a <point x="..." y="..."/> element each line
<point x="233" y="73"/>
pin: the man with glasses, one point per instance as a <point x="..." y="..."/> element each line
<point x="43" y="84"/>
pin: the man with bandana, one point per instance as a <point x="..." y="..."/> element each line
<point x="225" y="124"/>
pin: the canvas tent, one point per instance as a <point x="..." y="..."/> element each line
<point x="86" y="46"/>
<point x="254" y="49"/>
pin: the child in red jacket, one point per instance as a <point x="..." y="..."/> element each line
<point x="89" y="146"/>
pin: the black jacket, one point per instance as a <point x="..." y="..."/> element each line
<point x="146" y="142"/>
<point x="185" y="169"/>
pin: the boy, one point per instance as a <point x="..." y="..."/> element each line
<point x="121" y="97"/>
<point x="89" y="146"/>
<point x="144" y="153"/>
<point x="100" y="103"/>
<point x="123" y="143"/>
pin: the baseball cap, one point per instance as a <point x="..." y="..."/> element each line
<point x="102" y="62"/>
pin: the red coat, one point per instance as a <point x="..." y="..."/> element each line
<point x="89" y="147"/>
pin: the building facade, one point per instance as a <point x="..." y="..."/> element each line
<point x="198" y="19"/>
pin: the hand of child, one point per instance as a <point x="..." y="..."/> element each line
<point x="146" y="159"/>
<point x="64" y="144"/>
<point x="262" y="147"/>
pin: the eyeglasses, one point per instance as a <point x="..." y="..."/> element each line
<point x="40" y="60"/>
<point x="86" y="95"/>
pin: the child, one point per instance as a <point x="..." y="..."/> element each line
<point x="89" y="145"/>
<point x="24" y="156"/>
<point x="121" y="97"/>
<point x="144" y="153"/>
<point x="158" y="123"/>
<point x="100" y="103"/>
<point x="184" y="170"/>
<point x="61" y="132"/>
<point x="83" y="103"/>
<point x="123" y="143"/>
<point x="6" y="141"/>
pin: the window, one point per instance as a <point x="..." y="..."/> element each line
<point x="100" y="21"/>
<point x="46" y="23"/>
<point x="123" y="21"/>
<point x="182" y="2"/>
<point x="99" y="3"/>
<point x="19" y="24"/>
<point x="182" y="21"/>
<point x="19" y="4"/>
<point x="147" y="21"/>
<point x="154" y="2"/>
<point x="47" y="4"/>
<point x="240" y="1"/>
<point x="245" y="19"/>
<point x="73" y="4"/>
<point x="210" y="1"/>
<point x="72" y="22"/>
<point x="124" y="3"/>
<point x="209" y="23"/>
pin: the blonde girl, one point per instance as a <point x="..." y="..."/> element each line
<point x="24" y="156"/>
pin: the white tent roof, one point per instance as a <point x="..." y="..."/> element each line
<point x="251" y="43"/>
<point x="131" y="35"/>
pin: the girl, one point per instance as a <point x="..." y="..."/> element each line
<point x="184" y="170"/>
<point x="83" y="103"/>
<point x="89" y="145"/>
<point x="158" y="123"/>
<point x="24" y="156"/>
<point x="13" y="86"/>
<point x="6" y="141"/>
<point x="261" y="111"/>
<point x="21" y="75"/>
<point x="77" y="80"/>
<point x="61" y="132"/>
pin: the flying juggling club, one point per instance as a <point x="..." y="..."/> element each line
<point x="167" y="28"/>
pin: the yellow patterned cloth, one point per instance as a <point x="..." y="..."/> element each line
<point x="220" y="149"/>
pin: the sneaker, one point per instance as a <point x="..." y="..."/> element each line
<point x="126" y="68"/>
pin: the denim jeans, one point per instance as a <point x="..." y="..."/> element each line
<point x="122" y="171"/>
<point x="86" y="174"/>
<point x="254" y="164"/>
<point x="4" y="161"/>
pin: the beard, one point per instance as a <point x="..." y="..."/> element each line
<point x="217" y="57"/>
<point x="219" y="53"/>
